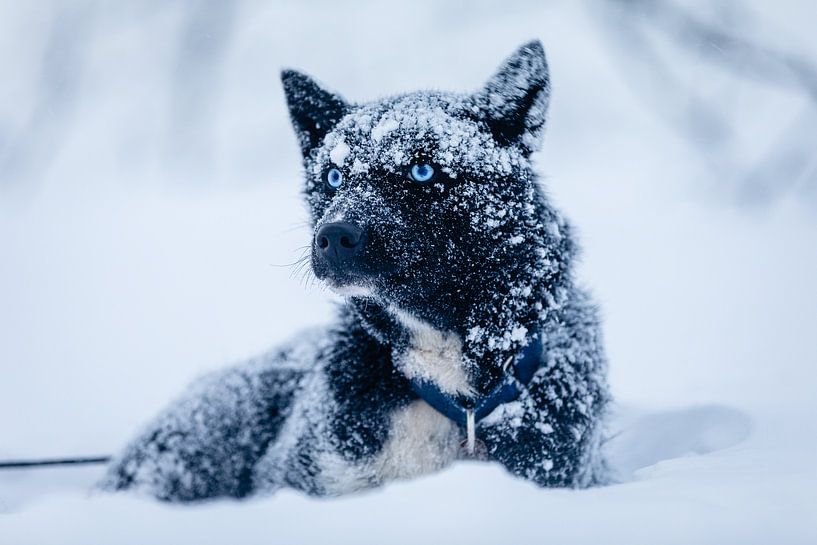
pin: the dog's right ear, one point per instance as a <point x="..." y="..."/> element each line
<point x="313" y="110"/>
<point x="514" y="101"/>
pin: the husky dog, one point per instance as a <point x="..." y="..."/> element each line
<point x="463" y="333"/>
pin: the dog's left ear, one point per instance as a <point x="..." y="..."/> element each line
<point x="514" y="101"/>
<point x="314" y="111"/>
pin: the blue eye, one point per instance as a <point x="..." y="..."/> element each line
<point x="421" y="172"/>
<point x="334" y="178"/>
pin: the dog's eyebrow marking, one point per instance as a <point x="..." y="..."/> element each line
<point x="433" y="355"/>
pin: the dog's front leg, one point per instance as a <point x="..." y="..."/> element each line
<point x="206" y="444"/>
<point x="551" y="444"/>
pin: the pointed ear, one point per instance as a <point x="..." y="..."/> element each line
<point x="514" y="101"/>
<point x="313" y="110"/>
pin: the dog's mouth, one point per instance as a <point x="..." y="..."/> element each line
<point x="343" y="278"/>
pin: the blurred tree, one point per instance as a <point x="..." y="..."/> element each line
<point x="29" y="151"/>
<point x="642" y="31"/>
<point x="196" y="81"/>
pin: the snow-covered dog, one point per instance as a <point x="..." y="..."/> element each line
<point x="463" y="334"/>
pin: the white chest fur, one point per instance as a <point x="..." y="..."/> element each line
<point x="433" y="355"/>
<point x="421" y="440"/>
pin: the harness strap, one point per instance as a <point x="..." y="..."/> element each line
<point x="467" y="411"/>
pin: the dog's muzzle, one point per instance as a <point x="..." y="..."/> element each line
<point x="338" y="247"/>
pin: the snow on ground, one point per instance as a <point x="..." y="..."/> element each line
<point x="148" y="250"/>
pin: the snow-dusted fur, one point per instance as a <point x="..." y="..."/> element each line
<point x="456" y="276"/>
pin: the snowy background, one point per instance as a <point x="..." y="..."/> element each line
<point x="149" y="207"/>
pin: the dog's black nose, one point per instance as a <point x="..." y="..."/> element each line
<point x="339" y="241"/>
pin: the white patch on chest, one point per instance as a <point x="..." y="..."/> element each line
<point x="421" y="440"/>
<point x="434" y="355"/>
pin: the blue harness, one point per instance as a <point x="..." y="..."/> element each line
<point x="467" y="411"/>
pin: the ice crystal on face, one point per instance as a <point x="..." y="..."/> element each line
<point x="519" y="333"/>
<point x="385" y="126"/>
<point x="339" y="153"/>
<point x="359" y="167"/>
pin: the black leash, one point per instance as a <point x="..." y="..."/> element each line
<point x="28" y="464"/>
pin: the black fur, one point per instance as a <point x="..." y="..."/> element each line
<point x="452" y="277"/>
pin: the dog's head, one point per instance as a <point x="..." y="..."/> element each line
<point x="427" y="202"/>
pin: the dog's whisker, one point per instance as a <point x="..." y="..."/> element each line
<point x="304" y="254"/>
<point x="299" y="266"/>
